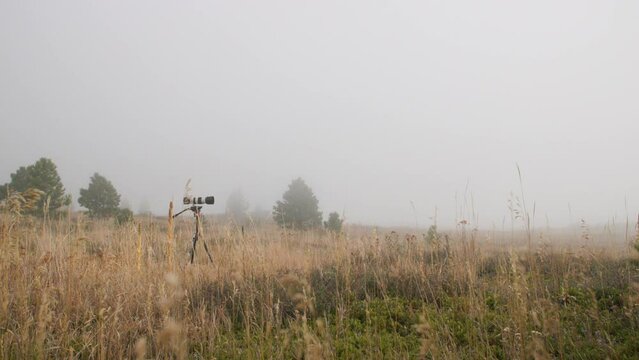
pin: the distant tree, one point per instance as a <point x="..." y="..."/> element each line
<point x="237" y="206"/>
<point x="299" y="209"/>
<point x="43" y="176"/>
<point x="334" y="223"/>
<point x="100" y="198"/>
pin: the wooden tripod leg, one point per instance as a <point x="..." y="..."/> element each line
<point x="197" y="233"/>
<point x="207" y="251"/>
<point x="193" y="248"/>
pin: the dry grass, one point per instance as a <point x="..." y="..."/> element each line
<point x="73" y="288"/>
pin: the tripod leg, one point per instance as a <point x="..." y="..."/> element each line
<point x="197" y="232"/>
<point x="193" y="248"/>
<point x="207" y="251"/>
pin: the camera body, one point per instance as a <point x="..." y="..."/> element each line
<point x="199" y="200"/>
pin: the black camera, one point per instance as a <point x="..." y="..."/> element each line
<point x="207" y="200"/>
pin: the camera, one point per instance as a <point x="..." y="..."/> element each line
<point x="199" y="200"/>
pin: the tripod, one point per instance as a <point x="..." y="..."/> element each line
<point x="197" y="213"/>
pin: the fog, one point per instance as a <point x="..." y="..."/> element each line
<point x="388" y="110"/>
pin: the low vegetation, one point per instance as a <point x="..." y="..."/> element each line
<point x="87" y="288"/>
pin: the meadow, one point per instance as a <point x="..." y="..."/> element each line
<point x="76" y="288"/>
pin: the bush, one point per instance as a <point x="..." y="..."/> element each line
<point x="123" y="216"/>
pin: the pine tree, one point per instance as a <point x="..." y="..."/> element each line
<point x="334" y="223"/>
<point x="299" y="207"/>
<point x="43" y="176"/>
<point x="100" y="198"/>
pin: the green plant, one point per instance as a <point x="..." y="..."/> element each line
<point x="380" y="328"/>
<point x="123" y="216"/>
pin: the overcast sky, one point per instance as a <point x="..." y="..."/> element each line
<point x="376" y="104"/>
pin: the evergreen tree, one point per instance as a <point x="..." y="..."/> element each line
<point x="43" y="176"/>
<point x="299" y="207"/>
<point x="100" y="198"/>
<point x="334" y="223"/>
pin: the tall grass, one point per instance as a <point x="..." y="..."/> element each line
<point x="74" y="288"/>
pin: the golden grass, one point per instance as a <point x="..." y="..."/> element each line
<point x="74" y="288"/>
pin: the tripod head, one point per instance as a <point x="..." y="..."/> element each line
<point x="196" y="204"/>
<point x="194" y="208"/>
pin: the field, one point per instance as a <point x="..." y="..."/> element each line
<point x="77" y="288"/>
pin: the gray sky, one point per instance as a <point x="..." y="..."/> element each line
<point x="374" y="103"/>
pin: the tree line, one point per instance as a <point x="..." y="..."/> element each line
<point x="100" y="198"/>
<point x="298" y="209"/>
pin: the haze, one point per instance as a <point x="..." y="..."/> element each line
<point x="388" y="110"/>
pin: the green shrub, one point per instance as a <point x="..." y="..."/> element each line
<point x="123" y="216"/>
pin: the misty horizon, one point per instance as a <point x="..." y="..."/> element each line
<point x="387" y="111"/>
